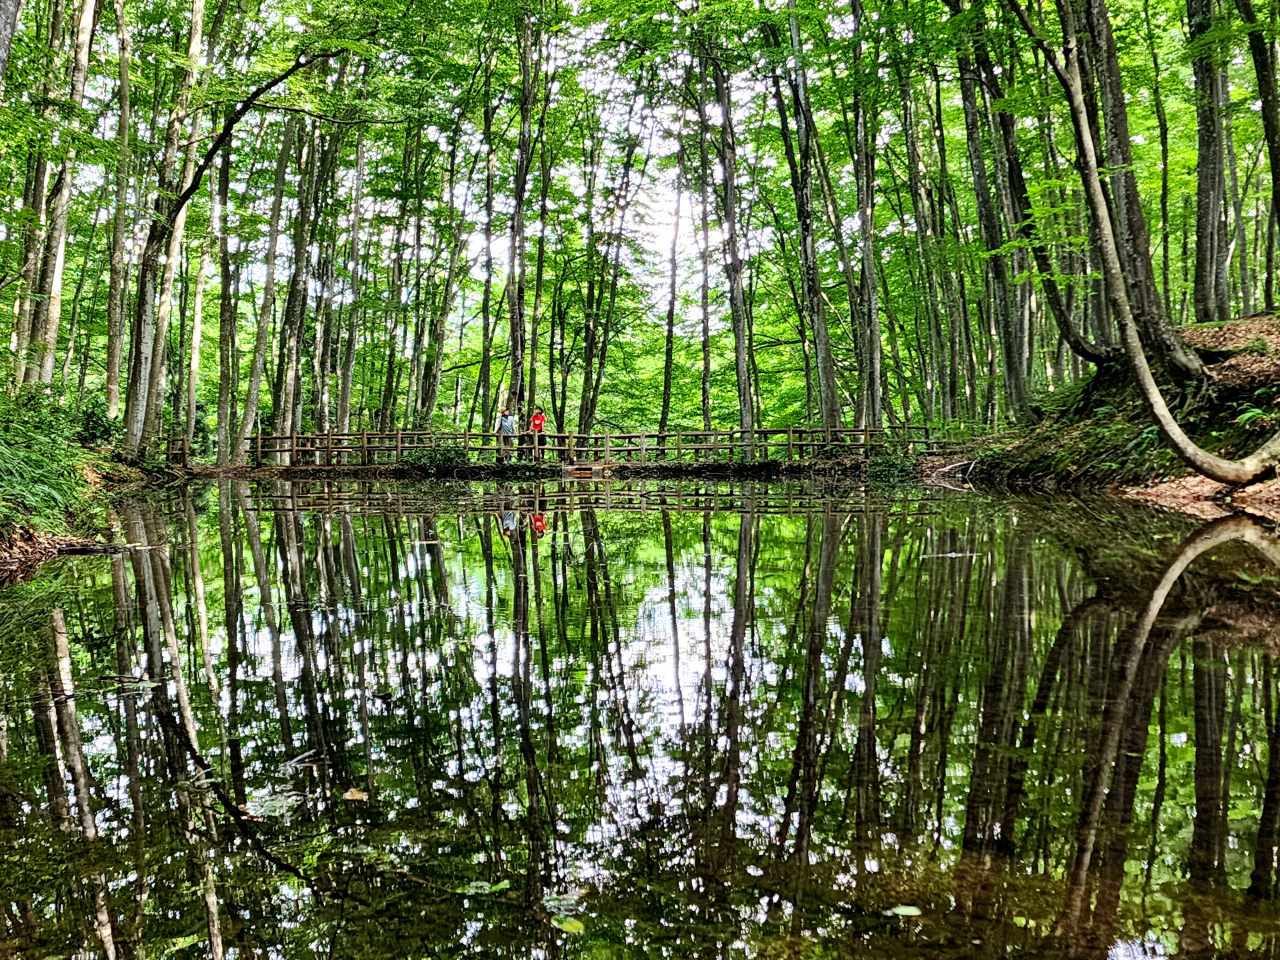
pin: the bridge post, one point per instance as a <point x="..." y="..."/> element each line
<point x="642" y="446"/>
<point x="258" y="457"/>
<point x="399" y="445"/>
<point x="606" y="447"/>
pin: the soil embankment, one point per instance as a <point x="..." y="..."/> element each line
<point x="1099" y="437"/>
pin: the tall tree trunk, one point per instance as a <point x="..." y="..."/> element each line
<point x="228" y="315"/>
<point x="10" y="12"/>
<point x="287" y="388"/>
<point x="997" y="267"/>
<point x="146" y="374"/>
<point x="1209" y="159"/>
<point x="668" y="352"/>
<point x="866" y="122"/>
<point x="119" y="230"/>
<point x="1236" y="204"/>
<point x="262" y="339"/>
<point x="704" y="249"/>
<point x="801" y="162"/>
<point x="1264" y="67"/>
<point x="1162" y="123"/>
<point x="197" y="315"/>
<point x="349" y="340"/>
<point x="1132" y="240"/>
<point x="728" y="149"/>
<point x="516" y="267"/>
<point x="48" y="312"/>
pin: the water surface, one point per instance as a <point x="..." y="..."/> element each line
<point x="642" y="721"/>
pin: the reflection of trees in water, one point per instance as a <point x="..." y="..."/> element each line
<point x="742" y="726"/>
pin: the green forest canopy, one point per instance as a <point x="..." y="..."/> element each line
<point x="221" y="218"/>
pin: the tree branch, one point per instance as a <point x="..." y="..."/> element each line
<point x="237" y="115"/>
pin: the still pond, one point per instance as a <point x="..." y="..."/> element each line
<point x="299" y="720"/>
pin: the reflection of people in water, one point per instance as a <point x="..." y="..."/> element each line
<point x="510" y="520"/>
<point x="539" y="524"/>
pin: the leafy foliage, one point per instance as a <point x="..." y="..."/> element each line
<point x="41" y="477"/>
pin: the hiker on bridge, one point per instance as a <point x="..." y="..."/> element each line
<point x="537" y="426"/>
<point x="506" y="434"/>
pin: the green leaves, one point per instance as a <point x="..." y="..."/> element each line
<point x="568" y="924"/>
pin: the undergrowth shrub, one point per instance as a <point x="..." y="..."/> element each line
<point x="40" y="458"/>
<point x="893" y="469"/>
<point x="439" y="457"/>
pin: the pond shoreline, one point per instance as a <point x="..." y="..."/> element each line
<point x="24" y="548"/>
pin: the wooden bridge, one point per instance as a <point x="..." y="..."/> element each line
<point x="366" y="449"/>
<point x="333" y="497"/>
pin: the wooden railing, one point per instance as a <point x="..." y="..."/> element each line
<point x="683" y="446"/>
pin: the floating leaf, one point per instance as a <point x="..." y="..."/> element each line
<point x="906" y="911"/>
<point x="568" y="924"/>
<point x="356" y="794"/>
<point x="478" y="888"/>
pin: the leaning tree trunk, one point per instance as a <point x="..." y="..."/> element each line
<point x="1067" y="69"/>
<point x="1130" y="225"/>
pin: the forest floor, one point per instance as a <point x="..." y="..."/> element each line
<point x="1098" y="436"/>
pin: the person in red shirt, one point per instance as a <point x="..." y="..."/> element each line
<point x="537" y="423"/>
<point x="539" y="523"/>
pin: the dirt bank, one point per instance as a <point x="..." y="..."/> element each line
<point x="1098" y="436"/>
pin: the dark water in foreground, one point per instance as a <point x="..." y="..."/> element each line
<point x="747" y="722"/>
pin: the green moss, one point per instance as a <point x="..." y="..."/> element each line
<point x="1258" y="347"/>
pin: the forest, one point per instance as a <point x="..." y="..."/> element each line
<point x="221" y="219"/>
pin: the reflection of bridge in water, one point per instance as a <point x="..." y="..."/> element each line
<point x="783" y="444"/>
<point x="635" y="496"/>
